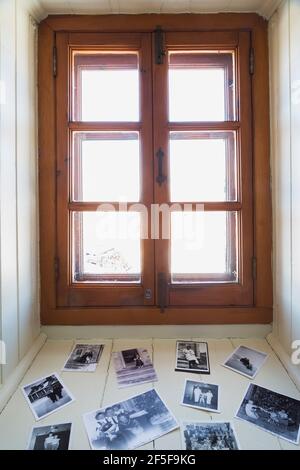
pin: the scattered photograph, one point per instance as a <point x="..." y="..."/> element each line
<point x="246" y="361"/>
<point x="129" y="424"/>
<point x="192" y="356"/>
<point x="133" y="366"/>
<point x="46" y="395"/>
<point x="212" y="435"/>
<point x="201" y="395"/>
<point x="272" y="412"/>
<point x="52" y="437"/>
<point x="84" y="358"/>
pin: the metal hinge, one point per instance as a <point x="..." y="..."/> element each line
<point x="56" y="268"/>
<point x="251" y="61"/>
<point x="254" y="268"/>
<point x="159" y="46"/>
<point x="54" y="61"/>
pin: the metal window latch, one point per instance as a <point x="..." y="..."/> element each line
<point x="159" y="46"/>
<point x="163" y="291"/>
<point x="161" y="178"/>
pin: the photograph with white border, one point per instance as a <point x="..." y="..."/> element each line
<point x="246" y="361"/>
<point x="192" y="356"/>
<point x="201" y="395"/>
<point x="210" y="435"/>
<point x="271" y="411"/>
<point x="130" y="423"/>
<point x="50" y="437"/>
<point x="46" y="395"/>
<point x="133" y="366"/>
<point x="83" y="358"/>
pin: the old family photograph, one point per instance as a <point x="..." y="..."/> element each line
<point x="130" y="423"/>
<point x="201" y="395"/>
<point x="209" y="436"/>
<point x="133" y="366"/>
<point x="46" y="395"/>
<point x="52" y="437"/>
<point x="84" y="358"/>
<point x="192" y="356"/>
<point x="143" y="417"/>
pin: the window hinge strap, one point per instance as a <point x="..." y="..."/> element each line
<point x="251" y="61"/>
<point x="254" y="268"/>
<point x="54" y="61"/>
<point x="56" y="268"/>
<point x="159" y="46"/>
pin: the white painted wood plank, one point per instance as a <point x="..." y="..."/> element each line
<point x="87" y="389"/>
<point x="112" y="393"/>
<point x="170" y="387"/>
<point x="272" y="375"/>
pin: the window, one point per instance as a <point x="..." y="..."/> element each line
<point x="153" y="217"/>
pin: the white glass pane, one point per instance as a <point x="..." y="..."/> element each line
<point x="200" y="245"/>
<point x="202" y="167"/>
<point x="196" y="95"/>
<point x="107" y="168"/>
<point x="107" y="245"/>
<point x="110" y="95"/>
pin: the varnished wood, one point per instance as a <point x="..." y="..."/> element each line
<point x="153" y="316"/>
<point x="261" y="311"/>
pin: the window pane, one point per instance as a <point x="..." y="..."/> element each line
<point x="201" y="87"/>
<point x="202" y="166"/>
<point x="203" y="247"/>
<point x="106" y="166"/>
<point x="106" y="87"/>
<point x="107" y="246"/>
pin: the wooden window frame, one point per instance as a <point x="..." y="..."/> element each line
<point x="261" y="309"/>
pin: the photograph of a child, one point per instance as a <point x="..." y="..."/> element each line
<point x="130" y="423"/>
<point x="201" y="395"/>
<point x="46" y="395"/>
<point x="192" y="356"/>
<point x="52" y="437"/>
<point x="272" y="412"/>
<point x="246" y="361"/>
<point x="211" y="435"/>
<point x="84" y="358"/>
<point x="133" y="366"/>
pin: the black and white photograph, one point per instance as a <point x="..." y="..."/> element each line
<point x="212" y="435"/>
<point x="84" y="358"/>
<point x="46" y="395"/>
<point x="130" y="423"/>
<point x="272" y="412"/>
<point x="246" y="361"/>
<point x="192" y="356"/>
<point x="52" y="437"/>
<point x="201" y="395"/>
<point x="133" y="366"/>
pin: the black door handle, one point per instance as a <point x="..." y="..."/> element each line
<point x="161" y="178"/>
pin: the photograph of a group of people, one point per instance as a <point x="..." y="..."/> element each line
<point x="46" y="395"/>
<point x="209" y="436"/>
<point x="271" y="411"/>
<point x="201" y="395"/>
<point x="192" y="356"/>
<point x="130" y="423"/>
<point x="133" y="366"/>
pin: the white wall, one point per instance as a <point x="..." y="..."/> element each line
<point x="19" y="315"/>
<point x="285" y="123"/>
